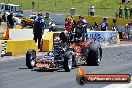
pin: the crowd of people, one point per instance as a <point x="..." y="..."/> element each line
<point x="126" y="1"/>
<point x="120" y="12"/>
<point x="127" y="12"/>
<point x="71" y="25"/>
<point x="8" y="19"/>
<point x="80" y="26"/>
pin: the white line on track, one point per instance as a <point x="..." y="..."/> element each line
<point x="129" y="85"/>
<point x="126" y="45"/>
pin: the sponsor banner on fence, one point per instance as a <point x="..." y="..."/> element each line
<point x="98" y="37"/>
<point x="103" y="37"/>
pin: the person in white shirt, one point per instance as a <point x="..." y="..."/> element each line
<point x="92" y="10"/>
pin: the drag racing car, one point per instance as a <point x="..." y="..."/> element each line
<point x="26" y="21"/>
<point x="66" y="55"/>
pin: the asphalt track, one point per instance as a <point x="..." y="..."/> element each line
<point x="14" y="73"/>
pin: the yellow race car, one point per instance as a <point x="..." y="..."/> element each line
<point x="26" y="21"/>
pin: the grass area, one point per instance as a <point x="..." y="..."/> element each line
<point x="102" y="7"/>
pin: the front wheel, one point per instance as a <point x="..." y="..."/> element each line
<point x="94" y="56"/>
<point x="68" y="61"/>
<point x="30" y="58"/>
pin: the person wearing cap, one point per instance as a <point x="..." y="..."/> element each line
<point x="38" y="29"/>
<point x="104" y="24"/>
<point x="69" y="24"/>
<point x="82" y="26"/>
<point x="81" y="22"/>
<point x="92" y="10"/>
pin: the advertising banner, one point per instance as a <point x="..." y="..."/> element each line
<point x="103" y="37"/>
<point x="98" y="37"/>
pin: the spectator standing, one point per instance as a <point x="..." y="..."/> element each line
<point x="126" y="12"/>
<point x="38" y="29"/>
<point x="10" y="21"/>
<point x="49" y="22"/>
<point x="4" y="17"/>
<point x="92" y="10"/>
<point x="120" y="12"/>
<point x="33" y="5"/>
<point x="18" y="21"/>
<point x="123" y="1"/>
<point x="117" y="13"/>
<point x="104" y="24"/>
<point x="130" y="12"/>
<point x="47" y="19"/>
<point x="74" y="22"/>
<point x="69" y="24"/>
<point x="127" y="1"/>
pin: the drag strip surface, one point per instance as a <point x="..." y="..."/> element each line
<point x="14" y="73"/>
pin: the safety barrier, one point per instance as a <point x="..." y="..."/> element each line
<point x="17" y="34"/>
<point x="99" y="37"/>
<point x="50" y="40"/>
<point x="19" y="47"/>
<point x="18" y="27"/>
<point x="91" y="20"/>
<point x="47" y="43"/>
<point x="104" y="37"/>
<point x="16" y="47"/>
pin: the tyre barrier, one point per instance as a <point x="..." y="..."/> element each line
<point x="3" y="48"/>
<point x="56" y="40"/>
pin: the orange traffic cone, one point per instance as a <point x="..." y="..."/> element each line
<point x="5" y="36"/>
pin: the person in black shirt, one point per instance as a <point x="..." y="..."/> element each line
<point x="4" y="17"/>
<point x="120" y="12"/>
<point x="38" y="29"/>
<point x="10" y="21"/>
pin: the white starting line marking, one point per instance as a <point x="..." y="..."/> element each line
<point x="116" y="45"/>
<point x="129" y="85"/>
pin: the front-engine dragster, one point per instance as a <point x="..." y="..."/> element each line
<point x="66" y="55"/>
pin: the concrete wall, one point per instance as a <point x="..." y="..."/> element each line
<point x="19" y="47"/>
<point x="47" y="44"/>
<point x="24" y="34"/>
